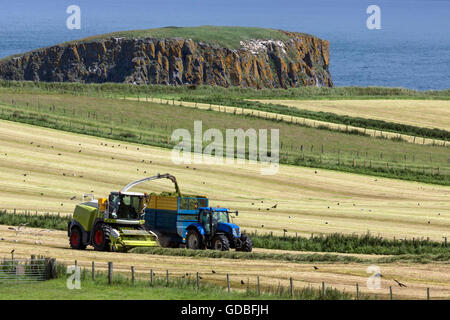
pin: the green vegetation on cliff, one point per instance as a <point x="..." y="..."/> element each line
<point x="228" y="37"/>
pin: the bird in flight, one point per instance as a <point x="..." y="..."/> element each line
<point x="400" y="284"/>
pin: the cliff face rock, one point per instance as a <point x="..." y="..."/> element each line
<point x="300" y="61"/>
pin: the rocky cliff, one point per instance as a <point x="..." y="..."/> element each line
<point x="302" y="60"/>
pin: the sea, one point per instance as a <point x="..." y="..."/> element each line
<point x="400" y="43"/>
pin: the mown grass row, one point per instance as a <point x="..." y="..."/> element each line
<point x="362" y="244"/>
<point x="237" y="255"/>
<point x="236" y="97"/>
<point x="419" y="249"/>
<point x="32" y="220"/>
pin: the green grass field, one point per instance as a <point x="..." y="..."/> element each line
<point x="160" y="289"/>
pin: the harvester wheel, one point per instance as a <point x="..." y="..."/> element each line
<point x="101" y="237"/>
<point x="247" y="245"/>
<point x="193" y="240"/>
<point x="76" y="239"/>
<point x="221" y="243"/>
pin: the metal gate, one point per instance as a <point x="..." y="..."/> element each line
<point x="23" y="269"/>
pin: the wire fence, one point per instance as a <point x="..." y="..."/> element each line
<point x="25" y="270"/>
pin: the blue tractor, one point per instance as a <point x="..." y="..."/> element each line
<point x="213" y="230"/>
<point x="189" y="221"/>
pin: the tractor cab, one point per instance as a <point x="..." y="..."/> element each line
<point x="126" y="206"/>
<point x="212" y="218"/>
<point x="217" y="221"/>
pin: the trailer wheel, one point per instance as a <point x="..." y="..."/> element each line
<point x="76" y="239"/>
<point x="193" y="240"/>
<point x="247" y="245"/>
<point x="101" y="237"/>
<point x="221" y="243"/>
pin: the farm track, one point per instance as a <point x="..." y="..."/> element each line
<point x="297" y="120"/>
<point x="417" y="277"/>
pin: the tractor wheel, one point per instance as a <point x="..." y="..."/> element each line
<point x="247" y="245"/>
<point x="221" y="243"/>
<point x="76" y="239"/>
<point x="194" y="240"/>
<point x="101" y="237"/>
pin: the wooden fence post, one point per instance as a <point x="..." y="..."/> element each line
<point x="110" y="272"/>
<point x="291" y="283"/>
<point x="390" y="292"/>
<point x="357" y="292"/>
<point x="323" y="289"/>
<point x="132" y="275"/>
<point x="228" y="283"/>
<point x="428" y="293"/>
<point x="259" y="286"/>
<point x="198" y="281"/>
<point x="151" y="277"/>
<point x="93" y="271"/>
<point x="167" y="277"/>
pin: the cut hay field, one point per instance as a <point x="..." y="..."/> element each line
<point x="342" y="276"/>
<point x="42" y="169"/>
<point x="152" y="123"/>
<point x="420" y="113"/>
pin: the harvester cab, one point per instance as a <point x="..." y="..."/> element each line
<point x="113" y="224"/>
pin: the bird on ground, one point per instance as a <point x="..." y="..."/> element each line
<point x="275" y="206"/>
<point x="315" y="268"/>
<point x="253" y="203"/>
<point x="18" y="229"/>
<point x="262" y="226"/>
<point x="12" y="251"/>
<point x="268" y="209"/>
<point x="73" y="198"/>
<point x="285" y="230"/>
<point x="400" y="284"/>
<point x="213" y="271"/>
<point x="242" y="282"/>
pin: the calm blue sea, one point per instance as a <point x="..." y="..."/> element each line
<point x="412" y="48"/>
